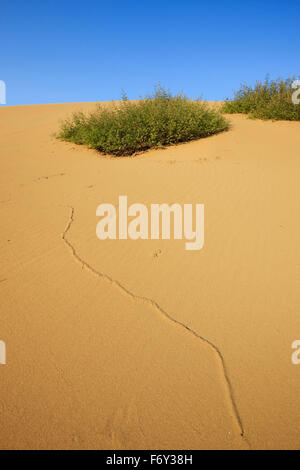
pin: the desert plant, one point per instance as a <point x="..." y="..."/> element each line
<point x="127" y="127"/>
<point x="271" y="99"/>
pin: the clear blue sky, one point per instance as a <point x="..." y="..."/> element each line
<point x="69" y="51"/>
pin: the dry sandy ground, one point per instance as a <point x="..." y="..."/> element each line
<point x="142" y="344"/>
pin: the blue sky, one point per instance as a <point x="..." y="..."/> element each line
<point x="69" y="51"/>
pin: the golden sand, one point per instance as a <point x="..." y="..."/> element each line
<point x="140" y="344"/>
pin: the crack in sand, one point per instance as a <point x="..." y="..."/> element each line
<point x="154" y="304"/>
<point x="49" y="176"/>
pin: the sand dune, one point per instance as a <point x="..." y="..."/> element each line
<point x="123" y="344"/>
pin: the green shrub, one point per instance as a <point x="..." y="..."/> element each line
<point x="266" y="100"/>
<point x="158" y="120"/>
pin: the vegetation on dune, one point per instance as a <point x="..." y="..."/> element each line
<point x="271" y="99"/>
<point x="157" y="120"/>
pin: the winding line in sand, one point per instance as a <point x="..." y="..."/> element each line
<point x="166" y="315"/>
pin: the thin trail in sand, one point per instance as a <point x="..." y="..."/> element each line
<point x="155" y="305"/>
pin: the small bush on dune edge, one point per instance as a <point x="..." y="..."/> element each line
<point x="160" y="119"/>
<point x="271" y="99"/>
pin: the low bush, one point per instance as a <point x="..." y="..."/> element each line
<point x="271" y="99"/>
<point x="158" y="120"/>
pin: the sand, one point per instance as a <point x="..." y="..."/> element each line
<point x="123" y="344"/>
